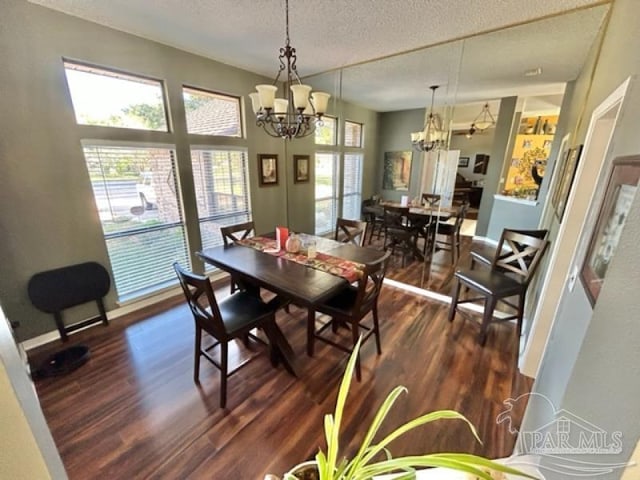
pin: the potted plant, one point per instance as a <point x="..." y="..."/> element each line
<point x="329" y="466"/>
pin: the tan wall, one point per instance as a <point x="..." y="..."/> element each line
<point x="47" y="214"/>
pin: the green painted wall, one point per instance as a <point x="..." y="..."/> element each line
<point x="47" y="214"/>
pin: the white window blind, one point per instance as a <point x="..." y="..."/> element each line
<point x="326" y="178"/>
<point x="210" y="113"/>
<point x="352" y="187"/>
<point x="135" y="193"/>
<point x="326" y="134"/>
<point x="113" y="99"/>
<point x="222" y="191"/>
<point x="352" y="134"/>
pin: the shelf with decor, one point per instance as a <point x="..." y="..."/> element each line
<point x="531" y="150"/>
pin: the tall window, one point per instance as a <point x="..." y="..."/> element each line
<point x="211" y="113"/>
<point x="327" y="133"/>
<point x="326" y="175"/>
<point x="113" y="99"/>
<point x="352" y="134"/>
<point x="135" y="192"/>
<point x="222" y="190"/>
<point x="352" y="187"/>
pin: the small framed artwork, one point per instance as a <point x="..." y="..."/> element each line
<point x="397" y="170"/>
<point x="561" y="195"/>
<point x="612" y="216"/>
<point x="301" y="168"/>
<point x="463" y="162"/>
<point x="268" y="169"/>
<point x="481" y="164"/>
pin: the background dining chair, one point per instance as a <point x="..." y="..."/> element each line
<point x="431" y="199"/>
<point x="483" y="254"/>
<point x="232" y="318"/>
<point x="350" y="231"/>
<point x="371" y="212"/>
<point x="509" y="276"/>
<point x="233" y="233"/>
<point x="350" y="306"/>
<point x="451" y="233"/>
<point x="398" y="232"/>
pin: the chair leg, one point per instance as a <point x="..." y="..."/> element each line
<point x="376" y="327"/>
<point x="489" y="307"/>
<point x="196" y="353"/>
<point x="311" y="331"/>
<point x="224" y="357"/>
<point x="520" y="314"/>
<point x="454" y="301"/>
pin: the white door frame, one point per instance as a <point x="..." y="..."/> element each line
<point x="542" y="326"/>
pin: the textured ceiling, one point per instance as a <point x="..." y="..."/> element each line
<point x="330" y="34"/>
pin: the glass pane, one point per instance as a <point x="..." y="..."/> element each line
<point x="211" y="113"/>
<point x="325" y="192"/>
<point x="112" y="99"/>
<point x="352" y="134"/>
<point x="326" y="134"/>
<point x="135" y="193"/>
<point x="222" y="191"/>
<point x="352" y="185"/>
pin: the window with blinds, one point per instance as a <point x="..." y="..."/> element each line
<point x="352" y="186"/>
<point x="135" y="193"/>
<point x="113" y="99"/>
<point x="326" y="179"/>
<point x="221" y="179"/>
<point x="326" y="134"/>
<point x="352" y="134"/>
<point x="210" y="113"/>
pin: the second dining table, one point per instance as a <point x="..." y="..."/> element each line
<point x="290" y="280"/>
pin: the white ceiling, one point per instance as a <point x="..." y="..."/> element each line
<point x="329" y="34"/>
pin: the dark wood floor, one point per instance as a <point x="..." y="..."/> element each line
<point x="133" y="410"/>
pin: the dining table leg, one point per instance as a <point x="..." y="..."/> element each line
<point x="280" y="348"/>
<point x="311" y="330"/>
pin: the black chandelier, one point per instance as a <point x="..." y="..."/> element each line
<point x="297" y="115"/>
<point x="432" y="136"/>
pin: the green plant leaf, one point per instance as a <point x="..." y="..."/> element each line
<point x="384" y="409"/>
<point x="459" y="462"/>
<point x="333" y="433"/>
<point x="416" y="422"/>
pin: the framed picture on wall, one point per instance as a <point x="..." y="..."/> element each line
<point x="481" y="164"/>
<point x="268" y="169"/>
<point x="301" y="168"/>
<point x="463" y="162"/>
<point x="612" y="217"/>
<point x="397" y="170"/>
<point x="563" y="188"/>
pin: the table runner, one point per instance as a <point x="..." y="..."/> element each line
<point x="350" y="271"/>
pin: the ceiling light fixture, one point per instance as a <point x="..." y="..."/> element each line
<point x="471" y="131"/>
<point x="484" y="119"/>
<point x="296" y="115"/>
<point x="432" y="136"/>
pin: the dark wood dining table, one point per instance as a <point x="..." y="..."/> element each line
<point x="420" y="216"/>
<point x="289" y="280"/>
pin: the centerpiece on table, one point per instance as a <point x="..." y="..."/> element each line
<point x="374" y="459"/>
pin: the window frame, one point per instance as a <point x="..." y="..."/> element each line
<point x="361" y="137"/>
<point x="206" y="91"/>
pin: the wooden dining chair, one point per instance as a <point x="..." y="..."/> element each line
<point x="231" y="234"/>
<point x="240" y="231"/>
<point x="509" y="276"/>
<point x="371" y="212"/>
<point x="399" y="234"/>
<point x="431" y="199"/>
<point x="451" y="234"/>
<point x="484" y="254"/>
<point x="227" y="320"/>
<point x="350" y="231"/>
<point x="351" y="306"/>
